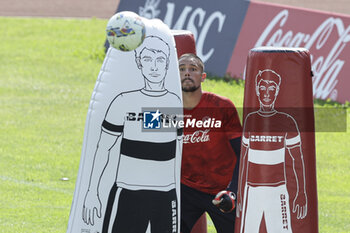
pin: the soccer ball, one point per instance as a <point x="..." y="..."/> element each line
<point x="125" y="31"/>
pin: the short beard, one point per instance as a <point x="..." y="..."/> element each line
<point x="190" y="89"/>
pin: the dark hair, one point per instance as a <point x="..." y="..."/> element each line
<point x="153" y="43"/>
<point x="268" y="75"/>
<point x="194" y="56"/>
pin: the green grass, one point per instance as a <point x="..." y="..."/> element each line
<point x="48" y="69"/>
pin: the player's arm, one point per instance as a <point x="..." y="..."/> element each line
<point x="92" y="203"/>
<point x="101" y="158"/>
<point x="112" y="127"/>
<point x="225" y="200"/>
<point x="300" y="200"/>
<point x="236" y="146"/>
<point x="293" y="144"/>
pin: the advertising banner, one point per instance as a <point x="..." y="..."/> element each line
<point x="326" y="36"/>
<point x="214" y="24"/>
<point x="225" y="31"/>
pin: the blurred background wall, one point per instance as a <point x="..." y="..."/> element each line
<point x="106" y="8"/>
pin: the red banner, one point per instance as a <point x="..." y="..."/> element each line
<point x="326" y="36"/>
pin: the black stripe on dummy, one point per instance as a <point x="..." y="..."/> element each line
<point x="111" y="127"/>
<point x="180" y="131"/>
<point x="161" y="151"/>
<point x="109" y="207"/>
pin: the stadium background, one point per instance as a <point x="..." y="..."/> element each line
<point x="106" y="8"/>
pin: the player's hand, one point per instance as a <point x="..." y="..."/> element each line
<point x="92" y="206"/>
<point x="225" y="201"/>
<point x="300" y="205"/>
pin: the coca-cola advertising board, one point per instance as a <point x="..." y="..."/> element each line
<point x="325" y="35"/>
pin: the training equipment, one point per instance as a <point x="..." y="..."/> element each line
<point x="125" y="31"/>
<point x="142" y="167"/>
<point x="184" y="41"/>
<point x="225" y="201"/>
<point x="277" y="180"/>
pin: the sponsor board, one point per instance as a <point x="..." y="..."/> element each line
<point x="224" y="34"/>
<point x="326" y="36"/>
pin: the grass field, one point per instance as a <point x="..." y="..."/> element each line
<point x="48" y="69"/>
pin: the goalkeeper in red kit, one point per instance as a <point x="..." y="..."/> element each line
<point x="211" y="149"/>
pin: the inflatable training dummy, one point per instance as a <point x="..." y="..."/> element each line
<point x="277" y="181"/>
<point x="129" y="174"/>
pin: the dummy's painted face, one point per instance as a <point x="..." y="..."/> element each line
<point x="154" y="65"/>
<point x="191" y="74"/>
<point x="267" y="92"/>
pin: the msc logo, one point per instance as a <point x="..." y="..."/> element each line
<point x="152" y="120"/>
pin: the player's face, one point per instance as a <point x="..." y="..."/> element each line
<point x="153" y="65"/>
<point x="267" y="92"/>
<point x="191" y="74"/>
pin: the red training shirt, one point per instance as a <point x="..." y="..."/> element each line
<point x="208" y="159"/>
